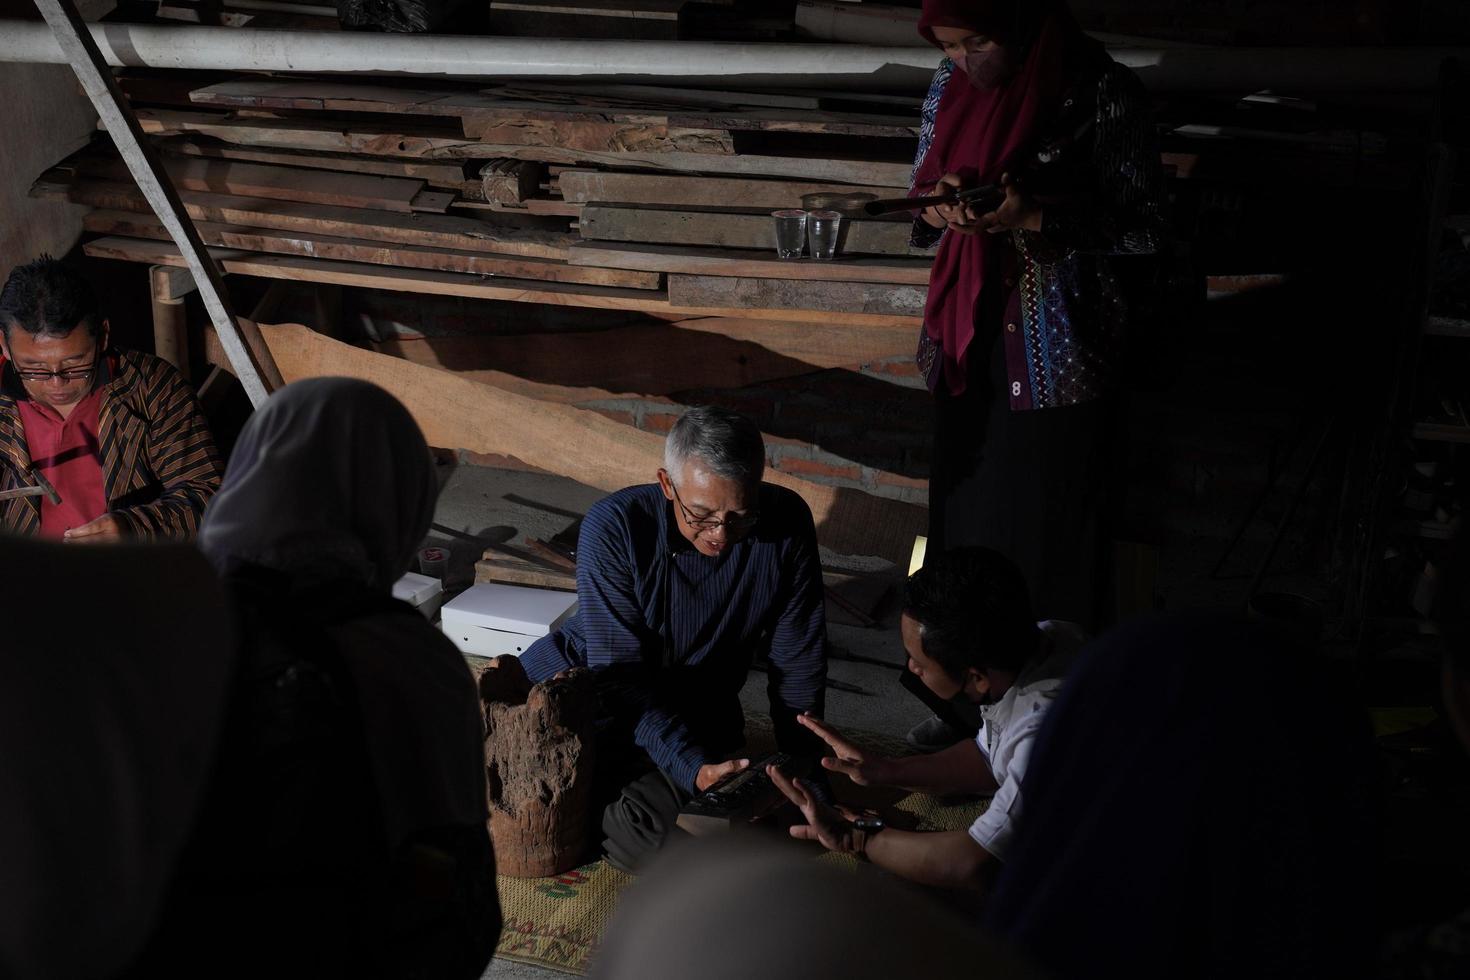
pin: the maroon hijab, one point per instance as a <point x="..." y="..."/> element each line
<point x="982" y="134"/>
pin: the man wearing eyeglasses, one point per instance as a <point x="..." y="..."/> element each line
<point x="679" y="584"/>
<point x="117" y="435"/>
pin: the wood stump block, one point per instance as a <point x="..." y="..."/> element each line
<point x="538" y="764"/>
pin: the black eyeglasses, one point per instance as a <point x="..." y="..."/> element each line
<point x="66" y="374"/>
<point x="735" y="524"/>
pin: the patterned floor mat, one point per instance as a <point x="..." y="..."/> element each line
<point x="559" y="922"/>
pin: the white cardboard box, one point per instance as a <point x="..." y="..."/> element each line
<point x="491" y="619"/>
<point x="423" y="593"/>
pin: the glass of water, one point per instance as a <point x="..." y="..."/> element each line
<point x="821" y="232"/>
<point x="790" y="233"/>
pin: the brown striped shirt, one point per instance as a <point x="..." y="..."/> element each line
<point x="159" y="463"/>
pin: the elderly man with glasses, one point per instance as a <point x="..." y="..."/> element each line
<point x="680" y="584"/>
<point x="96" y="444"/>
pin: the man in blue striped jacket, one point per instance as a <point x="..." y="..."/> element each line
<point x="680" y="584"/>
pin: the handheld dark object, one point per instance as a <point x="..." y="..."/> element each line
<point x="985" y="196"/>
<point x="738" y="798"/>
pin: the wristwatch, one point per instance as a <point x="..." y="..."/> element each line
<point x="863" y="829"/>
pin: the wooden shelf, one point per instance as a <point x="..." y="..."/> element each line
<point x="1446" y="326"/>
<point x="1440" y="432"/>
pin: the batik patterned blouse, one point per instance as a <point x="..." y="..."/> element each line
<point x="1065" y="305"/>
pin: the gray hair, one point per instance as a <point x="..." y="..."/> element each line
<point x="727" y="443"/>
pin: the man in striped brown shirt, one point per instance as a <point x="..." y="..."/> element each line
<point x="119" y="435"/>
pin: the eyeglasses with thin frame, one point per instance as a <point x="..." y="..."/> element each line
<point x="736" y="524"/>
<point x="41" y="376"/>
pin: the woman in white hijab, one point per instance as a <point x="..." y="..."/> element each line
<point x="346" y="834"/>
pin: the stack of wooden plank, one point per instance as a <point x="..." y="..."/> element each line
<point x="625" y="197"/>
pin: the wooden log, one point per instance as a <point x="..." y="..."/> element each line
<point x="354" y="250"/>
<point x="602" y="186"/>
<point x="491" y="234"/>
<point x="508" y="126"/>
<point x="750" y="263"/>
<point x="458" y="284"/>
<point x="455" y="412"/>
<point x="729" y="229"/>
<point x="511" y="181"/>
<point x="276" y="182"/>
<point x="789" y="294"/>
<point x="539" y="757"/>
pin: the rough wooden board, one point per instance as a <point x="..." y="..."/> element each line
<point x="377" y="139"/>
<point x="456" y="284"/>
<point x="788" y="294"/>
<point x="449" y="176"/>
<point x="753" y="263"/>
<point x="553" y="207"/>
<point x="644" y="95"/>
<point x="835" y="344"/>
<point x="356" y="250"/>
<point x="370" y="139"/>
<point x="601" y="186"/>
<point x="495" y="567"/>
<point x="274" y="182"/>
<point x="729" y="229"/>
<point x="646" y="9"/>
<point x="429" y="230"/>
<point x="605" y="137"/>
<point x="804" y="167"/>
<point x="432" y="202"/>
<point x="652" y="358"/>
<point x="457" y="413"/>
<point x="483" y="109"/>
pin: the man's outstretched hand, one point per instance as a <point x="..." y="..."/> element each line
<point x="851" y="761"/>
<point x="829" y="826"/>
<point x="716" y="771"/>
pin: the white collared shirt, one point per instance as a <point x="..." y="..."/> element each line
<point x="1009" y="729"/>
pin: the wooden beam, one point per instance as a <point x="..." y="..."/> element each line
<point x="273" y="182"/>
<point x="839" y="171"/>
<point x="511" y="181"/>
<point x="759" y="264"/>
<point x="456" y="284"/>
<point x="730" y="229"/>
<point x="75" y="41"/>
<point x="169" y="284"/>
<point x="170" y="319"/>
<point x="602" y="186"/>
<point x="458" y="413"/>
<point x="492" y="233"/>
<point x="446" y="175"/>
<point x="356" y="250"/>
<point x="788" y="294"/>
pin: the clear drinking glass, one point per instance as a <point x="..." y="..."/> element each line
<point x="790" y="233"/>
<point x="821" y="232"/>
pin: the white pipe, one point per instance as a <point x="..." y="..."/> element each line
<point x="199" y="47"/>
<point x="1208" y="69"/>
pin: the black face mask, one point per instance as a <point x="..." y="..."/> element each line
<point x="988" y="70"/>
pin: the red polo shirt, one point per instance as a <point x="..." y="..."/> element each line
<point x="68" y="453"/>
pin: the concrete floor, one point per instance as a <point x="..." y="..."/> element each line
<point x="474" y="505"/>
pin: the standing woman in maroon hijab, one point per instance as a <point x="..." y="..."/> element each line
<point x="1026" y="313"/>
